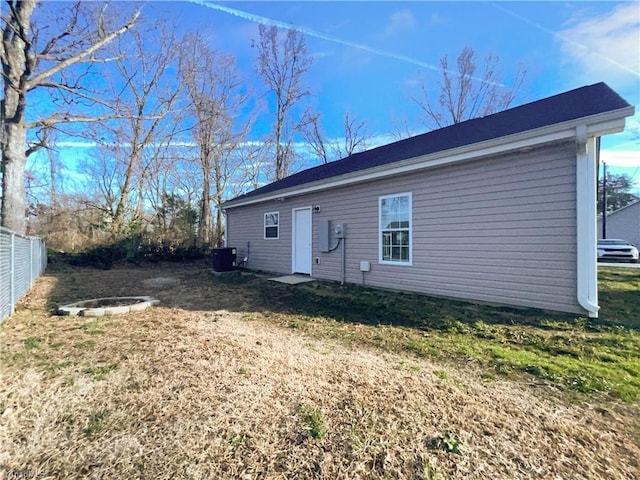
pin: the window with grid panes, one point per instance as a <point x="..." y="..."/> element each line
<point x="271" y="225"/>
<point x="395" y="229"/>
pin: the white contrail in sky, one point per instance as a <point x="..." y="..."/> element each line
<point x="564" y="38"/>
<point x="322" y="36"/>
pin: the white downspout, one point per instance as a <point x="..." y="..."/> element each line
<point x="586" y="227"/>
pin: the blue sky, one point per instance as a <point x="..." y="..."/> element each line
<point x="370" y="56"/>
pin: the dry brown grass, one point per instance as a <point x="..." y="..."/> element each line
<point x="208" y="385"/>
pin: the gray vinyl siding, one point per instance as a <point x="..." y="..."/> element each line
<point x="499" y="230"/>
<point x="245" y="231"/>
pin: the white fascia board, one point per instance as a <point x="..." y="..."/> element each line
<point x="597" y="125"/>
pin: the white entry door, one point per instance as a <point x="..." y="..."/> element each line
<point x="301" y="248"/>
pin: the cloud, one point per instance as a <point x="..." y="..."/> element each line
<point x="621" y="158"/>
<point x="401" y="21"/>
<point x="601" y="48"/>
<point x="75" y="144"/>
<point x="90" y="144"/>
<point x="437" y="19"/>
<point x="606" y="47"/>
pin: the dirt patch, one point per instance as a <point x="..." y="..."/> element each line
<point x="160" y="282"/>
<point x="209" y="385"/>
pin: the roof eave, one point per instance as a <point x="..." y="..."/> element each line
<point x="596" y="126"/>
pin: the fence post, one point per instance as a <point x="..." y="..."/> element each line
<point x="34" y="258"/>
<point x="30" y="262"/>
<point x="12" y="280"/>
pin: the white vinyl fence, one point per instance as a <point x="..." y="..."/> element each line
<point x="22" y="260"/>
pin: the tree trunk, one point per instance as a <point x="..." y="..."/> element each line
<point x="16" y="67"/>
<point x="280" y="159"/>
<point x="117" y="223"/>
<point x="219" y="235"/>
<point x="13" y="165"/>
<point x="204" y="226"/>
<point x="19" y="64"/>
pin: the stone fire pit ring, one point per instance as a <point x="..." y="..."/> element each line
<point x="99" y="307"/>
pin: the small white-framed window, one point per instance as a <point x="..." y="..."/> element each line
<point x="272" y="225"/>
<point x="395" y="224"/>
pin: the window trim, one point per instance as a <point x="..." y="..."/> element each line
<point x="277" y="225"/>
<point x="380" y="230"/>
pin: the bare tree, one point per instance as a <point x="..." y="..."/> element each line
<point x="316" y="138"/>
<point x="251" y="171"/>
<point x="167" y="172"/>
<point x="355" y="137"/>
<point x="400" y="127"/>
<point x="353" y="141"/>
<point x="143" y="91"/>
<point x="282" y="61"/>
<point x="466" y="92"/>
<point x="213" y="86"/>
<point x="30" y="62"/>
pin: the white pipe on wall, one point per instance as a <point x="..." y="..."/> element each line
<point x="586" y="226"/>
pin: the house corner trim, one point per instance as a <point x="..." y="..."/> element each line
<point x="586" y="227"/>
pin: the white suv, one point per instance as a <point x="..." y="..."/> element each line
<point x="616" y="250"/>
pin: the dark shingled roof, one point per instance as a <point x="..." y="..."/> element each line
<point x="571" y="105"/>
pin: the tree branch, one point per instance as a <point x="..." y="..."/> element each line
<point x="77" y="93"/>
<point x="49" y="122"/>
<point x="40" y="78"/>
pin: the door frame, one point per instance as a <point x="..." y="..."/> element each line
<point x="294" y="234"/>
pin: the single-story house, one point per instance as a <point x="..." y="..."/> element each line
<point x="499" y="209"/>
<point x="624" y="223"/>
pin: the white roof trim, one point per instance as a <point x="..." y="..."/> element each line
<point x="596" y="125"/>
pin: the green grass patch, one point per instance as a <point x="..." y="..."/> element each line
<point x="91" y="328"/>
<point x="313" y="421"/>
<point x="619" y="295"/>
<point x="100" y="372"/>
<point x="237" y="441"/>
<point x="574" y="353"/>
<point x="55" y="367"/>
<point x="447" y="442"/>
<point x="441" y="374"/>
<point x="95" y="423"/>
<point x="422" y="348"/>
<point x="32" y="343"/>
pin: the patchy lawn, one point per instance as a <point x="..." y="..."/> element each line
<point x="238" y="377"/>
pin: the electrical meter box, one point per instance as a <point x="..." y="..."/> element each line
<point x="329" y="233"/>
<point x="324" y="235"/>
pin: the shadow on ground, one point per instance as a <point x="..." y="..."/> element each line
<point x="192" y="286"/>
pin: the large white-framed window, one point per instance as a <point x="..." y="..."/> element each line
<point x="395" y="224"/>
<point x="272" y="225"/>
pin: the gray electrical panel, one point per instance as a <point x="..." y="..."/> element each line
<point x="324" y="235"/>
<point x="329" y="234"/>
